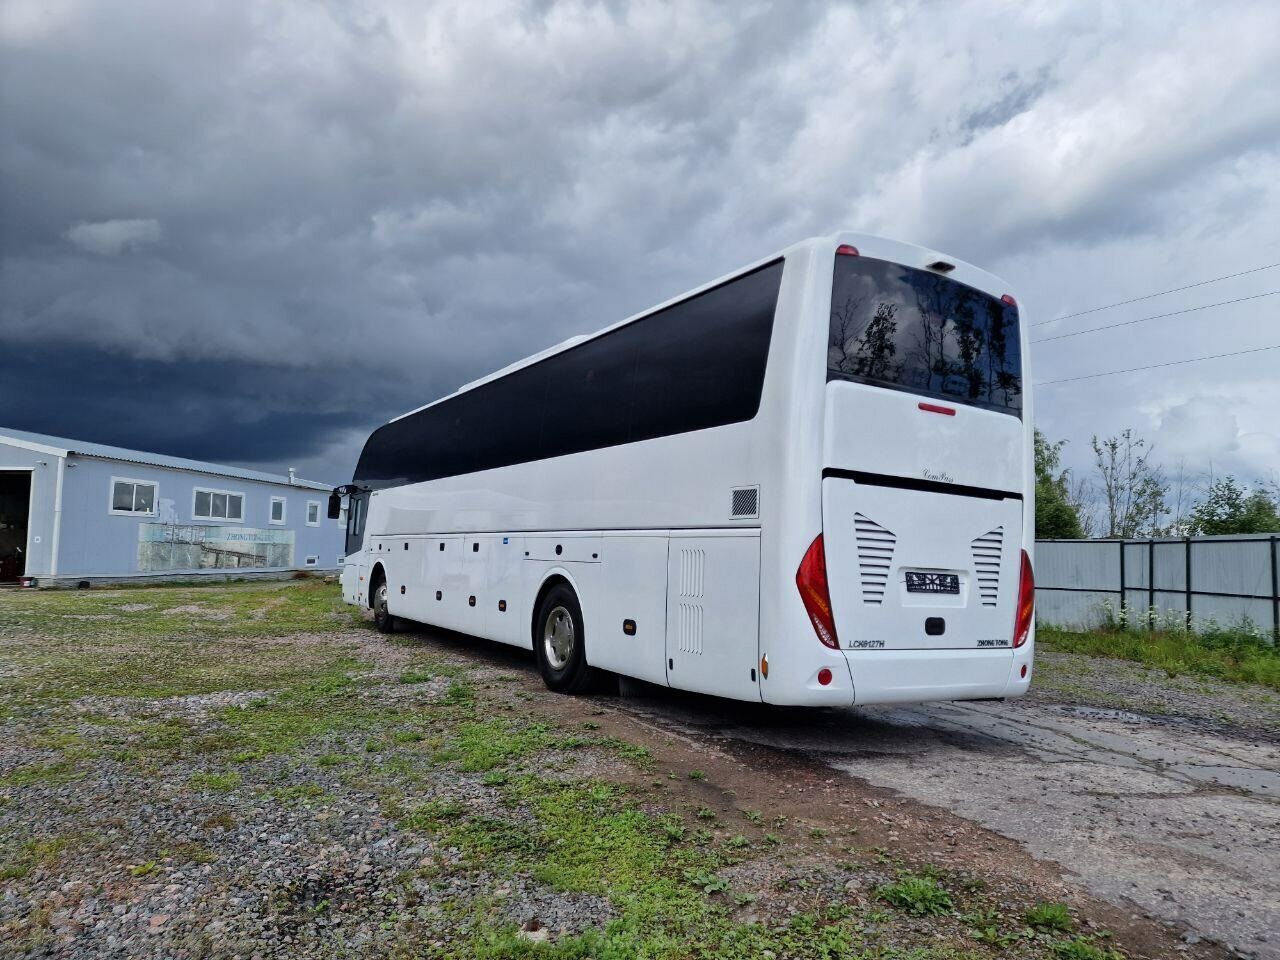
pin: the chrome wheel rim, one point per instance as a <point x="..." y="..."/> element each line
<point x="558" y="637"/>
<point x="380" y="602"/>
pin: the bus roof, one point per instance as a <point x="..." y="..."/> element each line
<point x="906" y="253"/>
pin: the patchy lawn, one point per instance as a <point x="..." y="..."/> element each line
<point x="213" y="771"/>
<point x="1234" y="656"/>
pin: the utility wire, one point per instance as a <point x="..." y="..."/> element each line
<point x="1161" y="293"/>
<point x="1171" y="363"/>
<point x="1158" y="316"/>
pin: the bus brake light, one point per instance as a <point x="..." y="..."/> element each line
<point x="811" y="578"/>
<point x="1026" y="602"/>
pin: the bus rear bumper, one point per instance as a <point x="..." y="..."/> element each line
<point x="915" y="676"/>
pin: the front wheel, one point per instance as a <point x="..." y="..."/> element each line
<point x="559" y="642"/>
<point x="383" y="619"/>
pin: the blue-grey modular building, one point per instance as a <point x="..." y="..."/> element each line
<point x="72" y="512"/>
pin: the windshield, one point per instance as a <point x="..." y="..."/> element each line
<point x="913" y="330"/>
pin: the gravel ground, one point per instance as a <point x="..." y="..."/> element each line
<point x="1191" y="702"/>
<point x="244" y="789"/>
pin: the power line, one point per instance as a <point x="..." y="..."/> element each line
<point x="1171" y="363"/>
<point x="1158" y="316"/>
<point x="1161" y="293"/>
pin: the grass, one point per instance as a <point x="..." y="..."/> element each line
<point x="919" y="895"/>
<point x="31" y="854"/>
<point x="667" y="878"/>
<point x="1050" y="916"/>
<point x="1235" y="656"/>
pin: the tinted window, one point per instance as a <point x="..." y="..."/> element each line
<point x="697" y="364"/>
<point x="920" y="332"/>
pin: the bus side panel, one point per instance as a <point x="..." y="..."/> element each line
<point x="503" y="584"/>
<point x="442" y="571"/>
<point x="713" y="614"/>
<point x="633" y="586"/>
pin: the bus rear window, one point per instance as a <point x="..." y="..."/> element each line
<point x="906" y="329"/>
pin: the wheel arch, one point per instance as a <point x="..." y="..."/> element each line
<point x="376" y="576"/>
<point x="553" y="578"/>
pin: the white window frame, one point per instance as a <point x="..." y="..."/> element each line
<point x="211" y="490"/>
<point x="310" y="504"/>
<point x="111" y="497"/>
<point x="284" y="510"/>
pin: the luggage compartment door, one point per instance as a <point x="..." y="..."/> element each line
<point x="713" y="613"/>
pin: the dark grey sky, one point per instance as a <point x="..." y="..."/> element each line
<point x="251" y="232"/>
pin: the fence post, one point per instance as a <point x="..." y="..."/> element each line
<point x="1188" y="583"/>
<point x="1151" y="584"/>
<point x="1123" y="618"/>
<point x="1275" y="591"/>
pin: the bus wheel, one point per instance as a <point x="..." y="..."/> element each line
<point x="559" y="642"/>
<point x="382" y="617"/>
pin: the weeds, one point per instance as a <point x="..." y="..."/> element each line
<point x="916" y="894"/>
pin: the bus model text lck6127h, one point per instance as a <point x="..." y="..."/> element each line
<point x="809" y="482"/>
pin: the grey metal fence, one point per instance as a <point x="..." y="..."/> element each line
<point x="1190" y="580"/>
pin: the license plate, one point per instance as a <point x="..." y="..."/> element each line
<point x="933" y="583"/>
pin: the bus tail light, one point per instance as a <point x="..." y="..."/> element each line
<point x="1026" y="602"/>
<point x="846" y="250"/>
<point x="811" y="578"/>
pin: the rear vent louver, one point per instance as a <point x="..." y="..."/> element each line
<point x="746" y="502"/>
<point x="875" y="554"/>
<point x="986" y="551"/>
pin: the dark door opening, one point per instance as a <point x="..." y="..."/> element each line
<point x="15" y="511"/>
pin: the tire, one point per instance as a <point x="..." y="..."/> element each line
<point x="559" y="642"/>
<point x="383" y="619"/>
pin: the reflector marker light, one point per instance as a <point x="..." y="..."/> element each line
<point x="1008" y="298"/>
<point x="811" y="578"/>
<point x="846" y="250"/>
<point x="824" y="676"/>
<point x="936" y="408"/>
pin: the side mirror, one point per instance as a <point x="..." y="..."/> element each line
<point x="335" y="505"/>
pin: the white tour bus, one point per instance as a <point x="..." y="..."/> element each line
<point x="809" y="482"/>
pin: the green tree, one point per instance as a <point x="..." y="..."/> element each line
<point x="1229" y="507"/>
<point x="1056" y="515"/>
<point x="1133" y="491"/>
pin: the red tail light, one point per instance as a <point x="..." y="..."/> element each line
<point x="1026" y="602"/>
<point x="811" y="578"/>
<point x="846" y="250"/>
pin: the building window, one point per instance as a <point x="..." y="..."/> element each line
<point x="217" y="505"/>
<point x="277" y="509"/>
<point x="313" y="513"/>
<point x="132" y="498"/>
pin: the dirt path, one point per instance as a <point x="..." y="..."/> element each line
<point x="1181" y="822"/>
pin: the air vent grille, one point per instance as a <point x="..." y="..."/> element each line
<point x="693" y="562"/>
<point x="746" y="502"/>
<point x="875" y="556"/>
<point x="986" y="551"/>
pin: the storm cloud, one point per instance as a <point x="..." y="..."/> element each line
<point x="252" y="232"/>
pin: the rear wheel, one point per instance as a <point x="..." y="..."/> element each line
<point x="559" y="642"/>
<point x="383" y="619"/>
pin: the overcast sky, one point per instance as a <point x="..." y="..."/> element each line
<point x="250" y="232"/>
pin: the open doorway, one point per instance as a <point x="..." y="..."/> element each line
<point x="15" y="512"/>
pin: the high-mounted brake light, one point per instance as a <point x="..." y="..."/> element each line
<point x="937" y="408"/>
<point x="1008" y="298"/>
<point x="1026" y="602"/>
<point x="811" y="578"/>
<point x="846" y="250"/>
